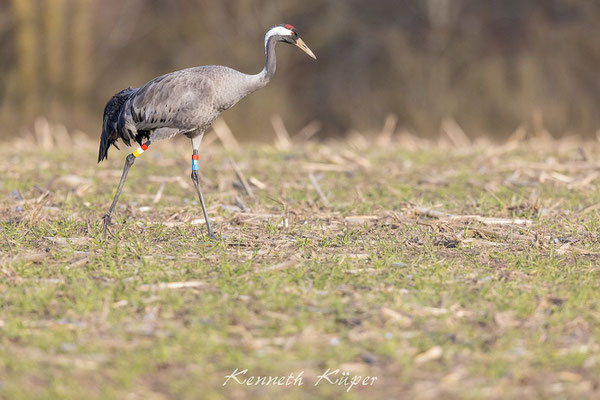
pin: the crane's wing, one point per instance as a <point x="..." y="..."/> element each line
<point x="179" y="100"/>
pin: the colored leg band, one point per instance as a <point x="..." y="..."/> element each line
<point x="195" y="162"/>
<point x="140" y="150"/>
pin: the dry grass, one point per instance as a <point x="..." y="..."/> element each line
<point x="451" y="269"/>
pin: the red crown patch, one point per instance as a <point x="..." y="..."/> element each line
<point x="288" y="26"/>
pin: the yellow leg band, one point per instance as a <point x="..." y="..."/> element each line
<point x="140" y="150"/>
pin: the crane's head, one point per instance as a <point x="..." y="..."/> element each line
<point x="288" y="34"/>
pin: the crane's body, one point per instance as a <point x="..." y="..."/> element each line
<point x="184" y="102"/>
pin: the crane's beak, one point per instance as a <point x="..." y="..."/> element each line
<point x="300" y="43"/>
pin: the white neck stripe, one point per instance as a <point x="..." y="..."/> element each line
<point x="277" y="30"/>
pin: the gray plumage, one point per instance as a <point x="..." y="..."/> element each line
<point x="183" y="102"/>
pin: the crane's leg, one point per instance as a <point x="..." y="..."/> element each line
<point x="128" y="163"/>
<point x="196" y="180"/>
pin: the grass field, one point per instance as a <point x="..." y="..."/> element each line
<point x="450" y="269"/>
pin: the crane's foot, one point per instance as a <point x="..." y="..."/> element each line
<point x="210" y="240"/>
<point x="211" y="234"/>
<point x="107" y="223"/>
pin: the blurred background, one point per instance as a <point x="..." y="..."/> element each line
<point x="489" y="65"/>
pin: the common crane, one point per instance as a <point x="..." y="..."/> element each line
<point x="186" y="103"/>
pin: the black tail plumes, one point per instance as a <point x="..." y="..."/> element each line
<point x="112" y="112"/>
